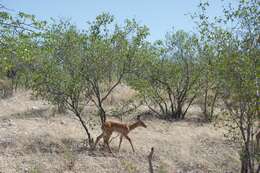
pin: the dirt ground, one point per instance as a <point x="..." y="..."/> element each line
<point x="33" y="140"/>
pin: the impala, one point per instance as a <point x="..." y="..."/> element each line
<point x="123" y="129"/>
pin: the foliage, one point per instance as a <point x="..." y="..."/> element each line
<point x="58" y="77"/>
<point x="110" y="54"/>
<point x="170" y="79"/>
<point x="18" y="36"/>
<point x="208" y="54"/>
<point x="236" y="51"/>
<point x="71" y="68"/>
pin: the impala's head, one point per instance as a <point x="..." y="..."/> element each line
<point x="140" y="122"/>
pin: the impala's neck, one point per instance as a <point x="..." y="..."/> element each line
<point x="133" y="126"/>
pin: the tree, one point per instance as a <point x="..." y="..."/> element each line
<point x="58" y="77"/>
<point x="207" y="60"/>
<point x="18" y="33"/>
<point x="243" y="74"/>
<point x="236" y="74"/>
<point x="169" y="82"/>
<point x="110" y="54"/>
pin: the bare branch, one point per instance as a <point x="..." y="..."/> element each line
<point x="150" y="156"/>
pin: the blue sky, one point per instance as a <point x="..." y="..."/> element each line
<point x="160" y="16"/>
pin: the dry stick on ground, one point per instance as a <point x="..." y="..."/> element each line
<point x="150" y="156"/>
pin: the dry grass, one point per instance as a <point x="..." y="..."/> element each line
<point x="33" y="141"/>
<point x="5" y="88"/>
<point x="20" y="103"/>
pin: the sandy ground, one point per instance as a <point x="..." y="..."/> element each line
<point x="20" y="102"/>
<point x="33" y="141"/>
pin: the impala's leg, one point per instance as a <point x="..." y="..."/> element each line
<point x="98" y="138"/>
<point x="121" y="138"/>
<point x="106" y="140"/>
<point x="130" y="142"/>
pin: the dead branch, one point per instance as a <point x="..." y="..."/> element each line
<point x="150" y="156"/>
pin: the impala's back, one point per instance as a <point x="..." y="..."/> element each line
<point x="115" y="127"/>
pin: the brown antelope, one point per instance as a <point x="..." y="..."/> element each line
<point x="123" y="129"/>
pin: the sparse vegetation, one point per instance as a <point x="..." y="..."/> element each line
<point x="216" y="70"/>
<point x="129" y="167"/>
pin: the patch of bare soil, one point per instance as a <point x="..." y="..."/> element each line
<point x="21" y="102"/>
<point x="33" y="141"/>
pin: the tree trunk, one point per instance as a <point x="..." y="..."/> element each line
<point x="102" y="114"/>
<point x="244" y="167"/>
<point x="61" y="108"/>
<point x="246" y="163"/>
<point x="205" y="110"/>
<point x="179" y="112"/>
<point x="90" y="140"/>
<point x="213" y="106"/>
